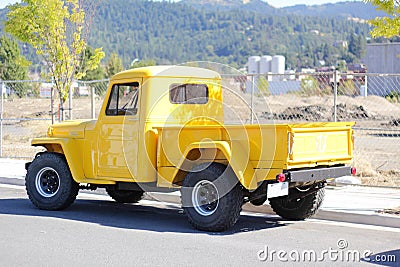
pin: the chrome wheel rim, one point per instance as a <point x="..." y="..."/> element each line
<point x="205" y="198"/>
<point x="302" y="190"/>
<point x="47" y="182"/>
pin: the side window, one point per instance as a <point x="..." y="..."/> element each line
<point x="123" y="99"/>
<point x="188" y="93"/>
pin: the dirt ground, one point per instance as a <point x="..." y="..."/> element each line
<point x="377" y="138"/>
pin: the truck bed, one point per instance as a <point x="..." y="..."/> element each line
<point x="255" y="152"/>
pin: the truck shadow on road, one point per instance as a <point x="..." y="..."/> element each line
<point x="167" y="218"/>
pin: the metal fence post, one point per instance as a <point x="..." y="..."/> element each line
<point x="70" y="91"/>
<point x="2" y="87"/>
<point x="335" y="94"/>
<point x="252" y="99"/>
<point x="52" y="104"/>
<point x="92" y="102"/>
<point x="61" y="111"/>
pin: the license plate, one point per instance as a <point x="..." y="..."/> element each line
<point x="278" y="190"/>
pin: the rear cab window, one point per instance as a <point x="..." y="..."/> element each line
<point x="188" y="93"/>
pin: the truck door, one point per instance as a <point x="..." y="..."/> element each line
<point x="118" y="140"/>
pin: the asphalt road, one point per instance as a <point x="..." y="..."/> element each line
<point x="96" y="231"/>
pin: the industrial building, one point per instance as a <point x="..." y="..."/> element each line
<point x="383" y="59"/>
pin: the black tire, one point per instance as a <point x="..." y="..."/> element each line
<point x="49" y="182"/>
<point x="215" y="187"/>
<point x="298" y="209"/>
<point x="123" y="196"/>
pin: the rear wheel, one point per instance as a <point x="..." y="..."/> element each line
<point x="49" y="182"/>
<point x="124" y="196"/>
<point x="304" y="206"/>
<point x="212" y="197"/>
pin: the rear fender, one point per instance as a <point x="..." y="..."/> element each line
<point x="216" y="151"/>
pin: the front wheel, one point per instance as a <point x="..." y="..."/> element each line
<point x="212" y="197"/>
<point x="49" y="182"/>
<point x="299" y="208"/>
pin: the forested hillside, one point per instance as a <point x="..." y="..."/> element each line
<point x="178" y="32"/>
<point x="175" y="32"/>
<point x="343" y="9"/>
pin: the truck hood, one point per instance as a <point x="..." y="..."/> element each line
<point x="70" y="129"/>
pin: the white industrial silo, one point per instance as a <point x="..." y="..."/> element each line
<point x="254" y="65"/>
<point x="253" y="68"/>
<point x="278" y="64"/>
<point x="265" y="64"/>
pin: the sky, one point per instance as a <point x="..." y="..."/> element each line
<point x="3" y="3"/>
<point x="275" y="3"/>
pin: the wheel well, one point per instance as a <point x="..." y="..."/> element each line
<point x="60" y="154"/>
<point x="56" y="148"/>
<point x="75" y="165"/>
<point x="196" y="157"/>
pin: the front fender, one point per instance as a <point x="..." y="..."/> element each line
<point x="70" y="148"/>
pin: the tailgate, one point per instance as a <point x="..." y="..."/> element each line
<point x="316" y="144"/>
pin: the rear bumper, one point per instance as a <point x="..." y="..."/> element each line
<point x="320" y="174"/>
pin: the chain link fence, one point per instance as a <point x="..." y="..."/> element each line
<point x="371" y="100"/>
<point x="29" y="107"/>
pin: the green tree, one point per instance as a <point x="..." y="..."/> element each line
<point x="386" y="26"/>
<point x="349" y="57"/>
<point x="341" y="65"/>
<point x="57" y="30"/>
<point x="114" y="65"/>
<point x="91" y="74"/>
<point x="13" y="66"/>
<point x="357" y="46"/>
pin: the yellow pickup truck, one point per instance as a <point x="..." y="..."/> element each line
<point x="162" y="129"/>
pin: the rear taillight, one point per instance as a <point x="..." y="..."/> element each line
<point x="281" y="177"/>
<point x="353" y="171"/>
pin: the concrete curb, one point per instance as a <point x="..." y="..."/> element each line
<point x="322" y="214"/>
<point x="13" y="181"/>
